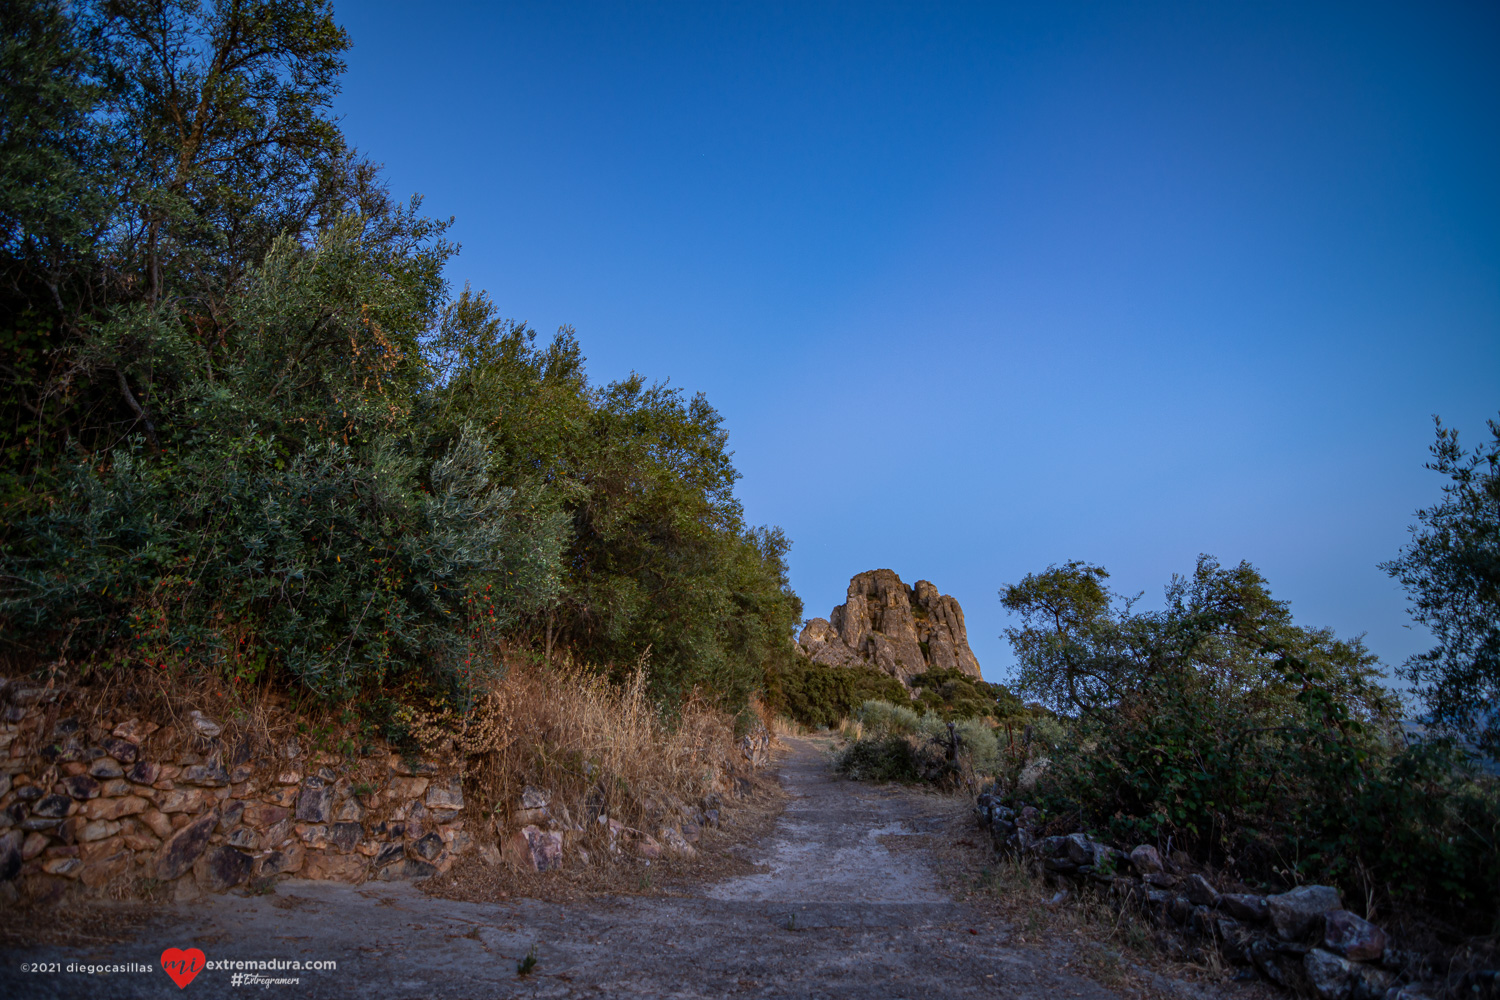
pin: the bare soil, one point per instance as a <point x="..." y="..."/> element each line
<point x="850" y="891"/>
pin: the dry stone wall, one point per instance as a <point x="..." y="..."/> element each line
<point x="115" y="802"/>
<point x="902" y="630"/>
<point x="1303" y="940"/>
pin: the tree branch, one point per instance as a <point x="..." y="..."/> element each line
<point x="140" y="414"/>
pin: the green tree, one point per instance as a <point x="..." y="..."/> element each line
<point x="1068" y="642"/>
<point x="1082" y="648"/>
<point x="227" y="104"/>
<point x="52" y="150"/>
<point x="1451" y="571"/>
<point x="1266" y="748"/>
<point x="246" y="425"/>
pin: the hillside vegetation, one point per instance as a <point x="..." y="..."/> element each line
<point x="1219" y="730"/>
<point x="250" y="430"/>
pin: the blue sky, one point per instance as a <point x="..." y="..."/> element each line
<point x="983" y="287"/>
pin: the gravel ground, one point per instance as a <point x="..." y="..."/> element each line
<point x="840" y="900"/>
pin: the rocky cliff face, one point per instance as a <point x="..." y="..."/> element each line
<point x="884" y="623"/>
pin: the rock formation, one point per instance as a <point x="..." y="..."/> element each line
<point x="884" y="623"/>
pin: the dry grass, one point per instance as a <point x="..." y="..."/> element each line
<point x="254" y="717"/>
<point x="781" y="726"/>
<point x="597" y="749"/>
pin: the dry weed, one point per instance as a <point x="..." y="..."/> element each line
<point x="596" y="747"/>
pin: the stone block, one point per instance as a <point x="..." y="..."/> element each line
<point x="142" y="842"/>
<point x="350" y="868"/>
<point x="1328" y="974"/>
<point x="102" y="871"/>
<point x="183" y="800"/>
<point x="66" y="867"/>
<point x="144" y="773"/>
<point x="1244" y="906"/>
<point x="120" y="749"/>
<point x="1352" y="937"/>
<point x="429" y="847"/>
<point x="448" y="795"/>
<point x="129" y="805"/>
<point x="262" y="814"/>
<point x="98" y="829"/>
<point x="1146" y="859"/>
<point x="81" y="787"/>
<point x="229" y="815"/>
<point x="135" y="730"/>
<point x="53" y="806"/>
<point x="221" y="868"/>
<point x="184" y="848"/>
<point x="205" y="775"/>
<point x="34" y="844"/>
<point x="408" y="788"/>
<point x="1200" y="891"/>
<point x="1293" y="913"/>
<point x="159" y="822"/>
<point x="285" y="796"/>
<point x="405" y="869"/>
<point x="281" y="862"/>
<point x="314" y="836"/>
<point x="534" y="849"/>
<point x="344" y="837"/>
<point x="315" y="803"/>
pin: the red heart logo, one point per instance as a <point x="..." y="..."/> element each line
<point x="181" y="965"/>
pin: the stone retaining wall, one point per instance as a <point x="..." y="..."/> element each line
<point x="121" y="801"/>
<point x="1302" y="939"/>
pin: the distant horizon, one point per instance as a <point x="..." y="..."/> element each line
<point x="981" y="289"/>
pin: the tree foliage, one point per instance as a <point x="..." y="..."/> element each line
<point x="1264" y="747"/>
<point x="247" y="425"/>
<point x="1451" y="570"/>
<point x="822" y="696"/>
<point x="1082" y="649"/>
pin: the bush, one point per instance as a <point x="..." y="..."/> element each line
<point x="883" y="718"/>
<point x="978" y="745"/>
<point x="1261" y="748"/>
<point x="821" y="696"/>
<point x="892" y="757"/>
<point x="249" y="429"/>
<point x="878" y="723"/>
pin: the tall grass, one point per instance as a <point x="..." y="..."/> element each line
<point x="597" y="747"/>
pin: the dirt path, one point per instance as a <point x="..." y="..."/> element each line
<point x="847" y="906"/>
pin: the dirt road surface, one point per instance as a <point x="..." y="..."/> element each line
<point x="847" y="905"/>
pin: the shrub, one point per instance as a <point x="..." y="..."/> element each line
<point x="892" y="757"/>
<point x="1258" y="746"/>
<point x="597" y="746"/>
<point x="879" y="723"/>
<point x="821" y="696"/>
<point x="249" y="429"/>
<point x="978" y="745"/>
<point x="336" y="566"/>
<point x="882" y="718"/>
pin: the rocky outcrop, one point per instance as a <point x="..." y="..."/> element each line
<point x="884" y="623"/>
